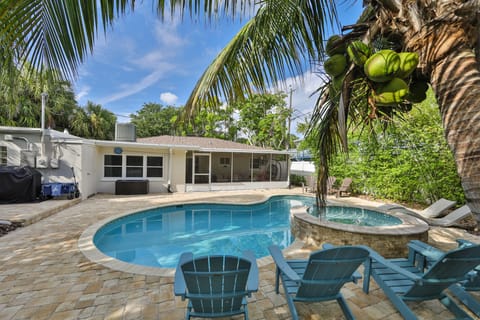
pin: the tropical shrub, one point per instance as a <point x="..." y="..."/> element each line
<point x="407" y="161"/>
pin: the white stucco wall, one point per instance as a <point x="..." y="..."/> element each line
<point x="87" y="173"/>
<point x="107" y="184"/>
<point x="178" y="170"/>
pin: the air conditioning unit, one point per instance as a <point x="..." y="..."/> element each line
<point x="125" y="132"/>
<point x="27" y="158"/>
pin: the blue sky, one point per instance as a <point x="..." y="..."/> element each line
<point x="143" y="59"/>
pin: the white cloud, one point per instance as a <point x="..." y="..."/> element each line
<point x="166" y="35"/>
<point x="168" y="98"/>
<point x="82" y="92"/>
<point x="150" y="60"/>
<point x="156" y="61"/>
<point x="129" y="89"/>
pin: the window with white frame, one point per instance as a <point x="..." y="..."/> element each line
<point x="3" y="155"/>
<point x="112" y="166"/>
<point x="133" y="166"/>
<point x="154" y="167"/>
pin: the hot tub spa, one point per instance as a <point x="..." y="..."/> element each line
<point x="390" y="240"/>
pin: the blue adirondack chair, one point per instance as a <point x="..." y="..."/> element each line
<point x="404" y="279"/>
<point x="319" y="278"/>
<point x="424" y="255"/>
<point x="217" y="285"/>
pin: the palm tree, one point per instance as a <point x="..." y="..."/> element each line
<point x="444" y="35"/>
<point x="281" y="40"/>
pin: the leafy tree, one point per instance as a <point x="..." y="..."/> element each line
<point x="212" y="119"/>
<point x="21" y="100"/>
<point x="263" y="119"/>
<point x="94" y="122"/>
<point x="154" y="119"/>
<point x="408" y="161"/>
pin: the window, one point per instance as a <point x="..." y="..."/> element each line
<point x="133" y="166"/>
<point x="155" y="167"/>
<point x="112" y="166"/>
<point x="3" y="156"/>
<point x="225" y="161"/>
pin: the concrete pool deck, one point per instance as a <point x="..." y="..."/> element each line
<point x="43" y="274"/>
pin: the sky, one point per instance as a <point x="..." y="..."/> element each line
<point x="142" y="59"/>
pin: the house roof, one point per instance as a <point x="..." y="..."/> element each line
<point x="180" y="142"/>
<point x="205" y="144"/>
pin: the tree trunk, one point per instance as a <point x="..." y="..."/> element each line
<point x="455" y="79"/>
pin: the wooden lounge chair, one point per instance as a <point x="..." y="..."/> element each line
<point x="452" y="218"/>
<point x="319" y="278"/>
<point x="433" y="211"/>
<point x="345" y="187"/>
<point x="330" y="184"/>
<point x="216" y="286"/>
<point x="403" y="280"/>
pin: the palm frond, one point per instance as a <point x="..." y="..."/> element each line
<point x="278" y="42"/>
<point x="55" y="35"/>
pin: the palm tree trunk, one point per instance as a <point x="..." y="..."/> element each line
<point x="455" y="80"/>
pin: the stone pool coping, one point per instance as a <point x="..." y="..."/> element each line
<point x="91" y="252"/>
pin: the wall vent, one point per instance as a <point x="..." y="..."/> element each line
<point x="125" y="132"/>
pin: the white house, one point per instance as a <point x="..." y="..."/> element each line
<point x="148" y="165"/>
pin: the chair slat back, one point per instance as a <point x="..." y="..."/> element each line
<point x="345" y="184"/>
<point x="216" y="284"/>
<point x="451" y="268"/>
<point x="328" y="270"/>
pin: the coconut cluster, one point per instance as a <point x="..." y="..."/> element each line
<point x="389" y="73"/>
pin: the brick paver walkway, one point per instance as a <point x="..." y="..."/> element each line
<point x="43" y="275"/>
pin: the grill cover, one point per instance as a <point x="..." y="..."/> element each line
<point x="19" y="184"/>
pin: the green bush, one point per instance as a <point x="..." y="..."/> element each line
<point x="296" y="180"/>
<point x="407" y="162"/>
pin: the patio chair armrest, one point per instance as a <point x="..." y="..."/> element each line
<point x="282" y="264"/>
<point x="424" y="251"/>
<point x="378" y="258"/>
<point x="462" y="243"/>
<point x="179" y="285"/>
<point x="465" y="243"/>
<point x="327" y="245"/>
<point x="252" y="281"/>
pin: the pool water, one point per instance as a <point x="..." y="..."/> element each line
<point x="354" y="215"/>
<point x="157" y="237"/>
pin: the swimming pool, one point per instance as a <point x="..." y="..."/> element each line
<point x="158" y="236"/>
<point x="155" y="238"/>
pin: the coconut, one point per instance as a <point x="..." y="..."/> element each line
<point x="392" y="93"/>
<point x="393" y="85"/>
<point x="338" y="81"/>
<point x="335" y="45"/>
<point x="359" y="52"/>
<point x="408" y="64"/>
<point x="382" y="66"/>
<point x="335" y="65"/>
<point x="389" y="98"/>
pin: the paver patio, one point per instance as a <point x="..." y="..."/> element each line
<point x="43" y="274"/>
